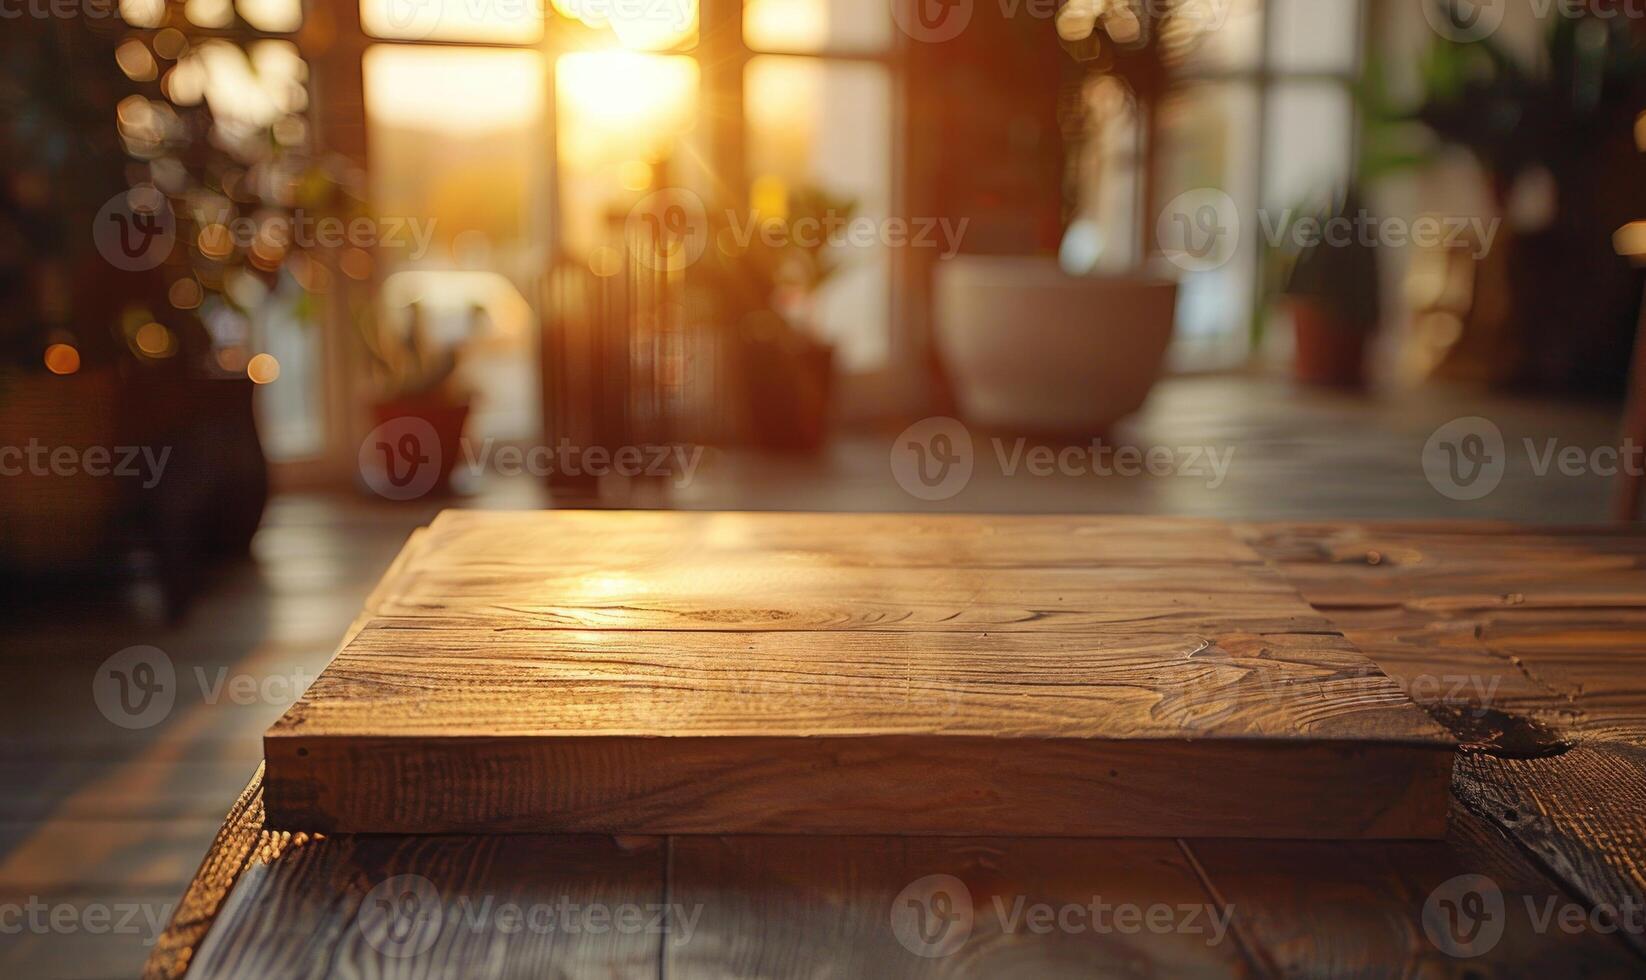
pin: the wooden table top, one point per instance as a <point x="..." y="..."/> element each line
<point x="1523" y="643"/>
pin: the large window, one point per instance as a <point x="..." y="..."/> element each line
<point x="1260" y="111"/>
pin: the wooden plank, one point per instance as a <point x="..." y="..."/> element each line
<point x="1582" y="814"/>
<point x="495" y="714"/>
<point x="1547" y="629"/>
<point x="1541" y="626"/>
<point x="240" y="842"/>
<point x="889" y="907"/>
<point x="504" y="906"/>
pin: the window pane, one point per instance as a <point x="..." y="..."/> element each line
<point x="1212" y="35"/>
<point x="1103" y="237"/>
<point x="827" y="125"/>
<point x="459" y="191"/>
<point x="1208" y="148"/>
<point x="499" y="21"/>
<point x="817" y="25"/>
<point x="1310" y="141"/>
<point x="638" y="25"/>
<point x="621" y="119"/>
<point x="1316" y="35"/>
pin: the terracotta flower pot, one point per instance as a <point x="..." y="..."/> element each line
<point x="447" y="418"/>
<point x="1328" y="352"/>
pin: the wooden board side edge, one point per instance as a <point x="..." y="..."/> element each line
<point x="895" y="785"/>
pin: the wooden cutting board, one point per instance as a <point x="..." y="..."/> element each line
<point x="682" y="673"/>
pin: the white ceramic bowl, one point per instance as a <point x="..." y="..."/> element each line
<point x="1032" y="349"/>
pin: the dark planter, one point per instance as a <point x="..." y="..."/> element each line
<point x="208" y="503"/>
<point x="1329" y="352"/>
<point x="446" y="417"/>
<point x="789" y="384"/>
<point x="51" y="522"/>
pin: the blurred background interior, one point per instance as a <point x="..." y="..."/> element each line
<point x="528" y="226"/>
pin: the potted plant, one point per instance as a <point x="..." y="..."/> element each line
<point x="767" y="284"/>
<point x="1560" y="126"/>
<point x="1333" y="294"/>
<point x="419" y="380"/>
<point x="131" y="361"/>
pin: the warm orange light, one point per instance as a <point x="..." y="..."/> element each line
<point x="215" y="241"/>
<point x="153" y="339"/>
<point x="453" y="20"/>
<point x="274" y="16"/>
<point x="356" y="264"/>
<point x="786" y="25"/>
<point x="263" y="369"/>
<point x="618" y="104"/>
<point x="135" y="60"/>
<point x="605" y="261"/>
<point x="210" y="14"/>
<point x="635" y="175"/>
<point x="656" y="26"/>
<point x="170" y="43"/>
<point x="232" y="359"/>
<point x="62" y="359"/>
<point x="1630" y="240"/>
<point x="143" y="13"/>
<point x="454" y="91"/>
<point x="185" y="294"/>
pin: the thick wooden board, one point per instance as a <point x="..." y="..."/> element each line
<point x="768" y="673"/>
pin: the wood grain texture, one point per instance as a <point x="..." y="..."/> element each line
<point x="1581" y="814"/>
<point x="1544" y="625"/>
<point x="413" y="907"/>
<point x="1358" y="910"/>
<point x="1529" y="645"/>
<point x="840" y="907"/>
<point x="839" y="659"/>
<point x="243" y="841"/>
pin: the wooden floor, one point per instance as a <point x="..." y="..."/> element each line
<point x="94" y="816"/>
